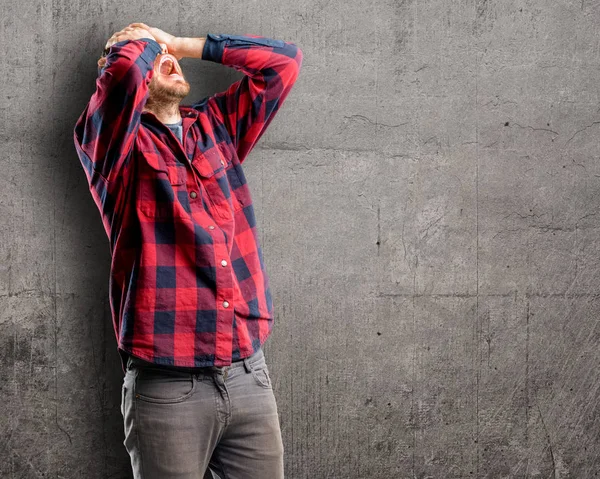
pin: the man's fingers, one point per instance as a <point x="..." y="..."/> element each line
<point x="111" y="41"/>
<point x="140" y="25"/>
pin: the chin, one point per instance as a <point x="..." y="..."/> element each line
<point x="176" y="86"/>
<point x="180" y="91"/>
<point x="169" y="90"/>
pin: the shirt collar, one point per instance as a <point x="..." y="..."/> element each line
<point x="185" y="111"/>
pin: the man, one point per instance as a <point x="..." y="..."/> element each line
<point x="189" y="292"/>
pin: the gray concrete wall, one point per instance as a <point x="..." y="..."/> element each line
<point x="428" y="203"/>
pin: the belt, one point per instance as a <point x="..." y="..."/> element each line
<point x="244" y="362"/>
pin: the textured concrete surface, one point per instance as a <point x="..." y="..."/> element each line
<point x="428" y="200"/>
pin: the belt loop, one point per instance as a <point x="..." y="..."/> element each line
<point x="247" y="365"/>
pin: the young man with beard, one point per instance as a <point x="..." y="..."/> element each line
<point x="188" y="289"/>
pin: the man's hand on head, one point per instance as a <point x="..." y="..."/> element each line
<point x="171" y="41"/>
<point x="131" y="32"/>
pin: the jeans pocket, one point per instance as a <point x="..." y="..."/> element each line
<point x="163" y="387"/>
<point x="261" y="375"/>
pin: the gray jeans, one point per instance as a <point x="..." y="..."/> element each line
<point x="190" y="425"/>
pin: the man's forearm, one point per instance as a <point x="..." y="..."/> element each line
<point x="190" y="47"/>
<point x="270" y="66"/>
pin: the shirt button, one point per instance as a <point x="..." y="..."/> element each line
<point x="223" y="263"/>
<point x="211" y="227"/>
<point x="193" y="194"/>
<point x="222" y="163"/>
<point x="225" y="304"/>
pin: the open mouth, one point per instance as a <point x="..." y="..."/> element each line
<point x="168" y="67"/>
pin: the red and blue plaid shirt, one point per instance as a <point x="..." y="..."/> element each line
<point x="188" y="285"/>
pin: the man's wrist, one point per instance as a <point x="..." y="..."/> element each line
<point x="188" y="47"/>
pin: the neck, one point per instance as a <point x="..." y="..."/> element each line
<point x="165" y="112"/>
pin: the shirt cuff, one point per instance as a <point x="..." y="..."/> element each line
<point x="149" y="54"/>
<point x="213" y="47"/>
<point x="152" y="50"/>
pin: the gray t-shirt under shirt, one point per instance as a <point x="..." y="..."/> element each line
<point x="177" y="129"/>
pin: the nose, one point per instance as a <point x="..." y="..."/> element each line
<point x="163" y="47"/>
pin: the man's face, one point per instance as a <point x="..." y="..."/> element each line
<point x="168" y="83"/>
